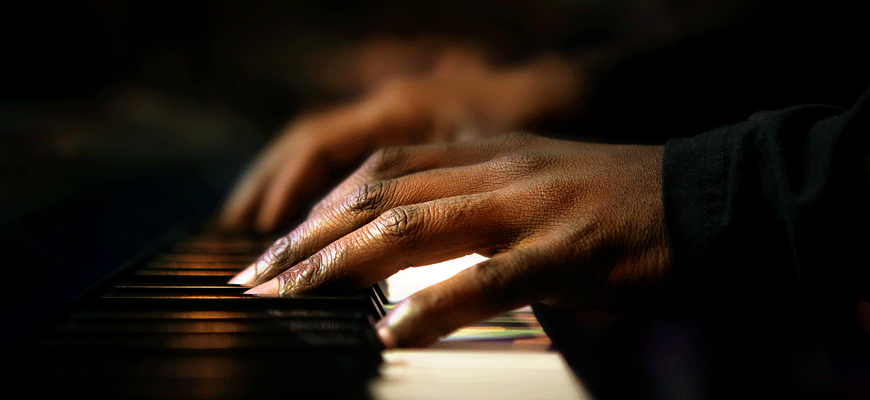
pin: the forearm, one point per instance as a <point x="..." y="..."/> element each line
<point x="761" y="211"/>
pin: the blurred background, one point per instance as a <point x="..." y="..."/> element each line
<point x="120" y="120"/>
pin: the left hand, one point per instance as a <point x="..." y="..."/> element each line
<point x="565" y="224"/>
<point x="440" y="107"/>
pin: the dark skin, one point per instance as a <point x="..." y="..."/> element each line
<point x="445" y="105"/>
<point x="564" y="224"/>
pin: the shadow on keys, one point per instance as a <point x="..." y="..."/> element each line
<point x="168" y="326"/>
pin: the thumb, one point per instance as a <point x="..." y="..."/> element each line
<point x="474" y="294"/>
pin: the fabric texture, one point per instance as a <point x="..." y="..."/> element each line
<point x="774" y="208"/>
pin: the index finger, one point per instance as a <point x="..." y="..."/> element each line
<point x="387" y="180"/>
<point x="402" y="237"/>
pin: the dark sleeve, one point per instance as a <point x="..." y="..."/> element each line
<point x="773" y="209"/>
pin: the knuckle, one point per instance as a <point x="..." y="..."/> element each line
<point x="313" y="269"/>
<point x="505" y="283"/>
<point x="400" y="223"/>
<point x="277" y="252"/>
<point x="385" y="159"/>
<point x="367" y="197"/>
<point x="273" y="260"/>
<point x="306" y="276"/>
<point x="491" y="276"/>
<point x="522" y="163"/>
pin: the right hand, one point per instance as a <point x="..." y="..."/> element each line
<point x="566" y="224"/>
<point x="301" y="161"/>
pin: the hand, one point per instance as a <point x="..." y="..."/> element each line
<point x="438" y="108"/>
<point x="565" y="224"/>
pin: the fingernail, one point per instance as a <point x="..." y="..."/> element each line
<point x="269" y="288"/>
<point x="246" y="277"/>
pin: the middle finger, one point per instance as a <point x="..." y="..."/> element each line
<point x="363" y="205"/>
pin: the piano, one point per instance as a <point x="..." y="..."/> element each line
<point x="168" y="326"/>
<point x="100" y="301"/>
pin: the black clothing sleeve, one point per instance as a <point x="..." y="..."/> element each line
<point x="773" y="209"/>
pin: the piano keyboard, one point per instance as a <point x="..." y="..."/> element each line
<point x="170" y="327"/>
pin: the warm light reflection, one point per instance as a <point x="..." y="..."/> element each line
<point x="164" y="315"/>
<point x="408" y="281"/>
<point x="203" y="342"/>
<point x="199" y="367"/>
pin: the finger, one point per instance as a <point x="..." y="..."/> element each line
<point x="337" y="216"/>
<point x="499" y="284"/>
<point x="345" y="135"/>
<point x="399" y="161"/>
<point x="360" y="207"/>
<point x="298" y="177"/>
<point x="402" y="237"/>
<point x="240" y="207"/>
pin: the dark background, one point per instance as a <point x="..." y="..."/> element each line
<point x="120" y="120"/>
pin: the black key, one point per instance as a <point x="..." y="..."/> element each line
<point x="232" y="266"/>
<point x="230" y="302"/>
<point x="273" y="325"/>
<point x="205" y="258"/>
<point x="181" y="277"/>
